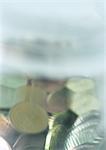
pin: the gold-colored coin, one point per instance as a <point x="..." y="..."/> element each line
<point x="57" y="101"/>
<point x="28" y="119"/>
<point x="38" y="96"/>
<point x="80" y="84"/>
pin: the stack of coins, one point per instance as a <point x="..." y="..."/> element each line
<point x="59" y="126"/>
<point x="51" y="95"/>
<point x="82" y="97"/>
<point x="85" y="130"/>
<point x="12" y="90"/>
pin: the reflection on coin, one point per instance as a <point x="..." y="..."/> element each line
<point x="38" y="96"/>
<point x="57" y="101"/>
<point x="80" y="84"/>
<point x="83" y="103"/>
<point x="4" y="145"/>
<point x="28" y="119"/>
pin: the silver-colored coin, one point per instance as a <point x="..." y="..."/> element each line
<point x="85" y="130"/>
<point x="82" y="103"/>
<point x="85" y="147"/>
<point x="80" y="84"/>
<point x="92" y="116"/>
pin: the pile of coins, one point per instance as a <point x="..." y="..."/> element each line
<point x="82" y="97"/>
<point x="55" y="105"/>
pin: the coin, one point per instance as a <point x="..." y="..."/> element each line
<point x="38" y="96"/>
<point x="55" y="138"/>
<point x="80" y="84"/>
<point x="49" y="85"/>
<point x="83" y="103"/>
<point x="57" y="101"/>
<point x="27" y="118"/>
<point x="87" y="146"/>
<point x="84" y="131"/>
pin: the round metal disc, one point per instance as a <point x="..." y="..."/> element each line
<point x="28" y="119"/>
<point x="83" y="103"/>
<point x="83" y="131"/>
<point x="80" y="84"/>
<point x="57" y="101"/>
<point x="38" y="96"/>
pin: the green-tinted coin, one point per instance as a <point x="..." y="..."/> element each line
<point x="80" y="84"/>
<point x="83" y="103"/>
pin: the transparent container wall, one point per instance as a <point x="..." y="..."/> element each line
<point x="53" y="43"/>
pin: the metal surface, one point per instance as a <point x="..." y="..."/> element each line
<point x="83" y="135"/>
<point x="85" y="130"/>
<point x="85" y="147"/>
<point x="18" y="141"/>
<point x="67" y="131"/>
<point x="28" y="119"/>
